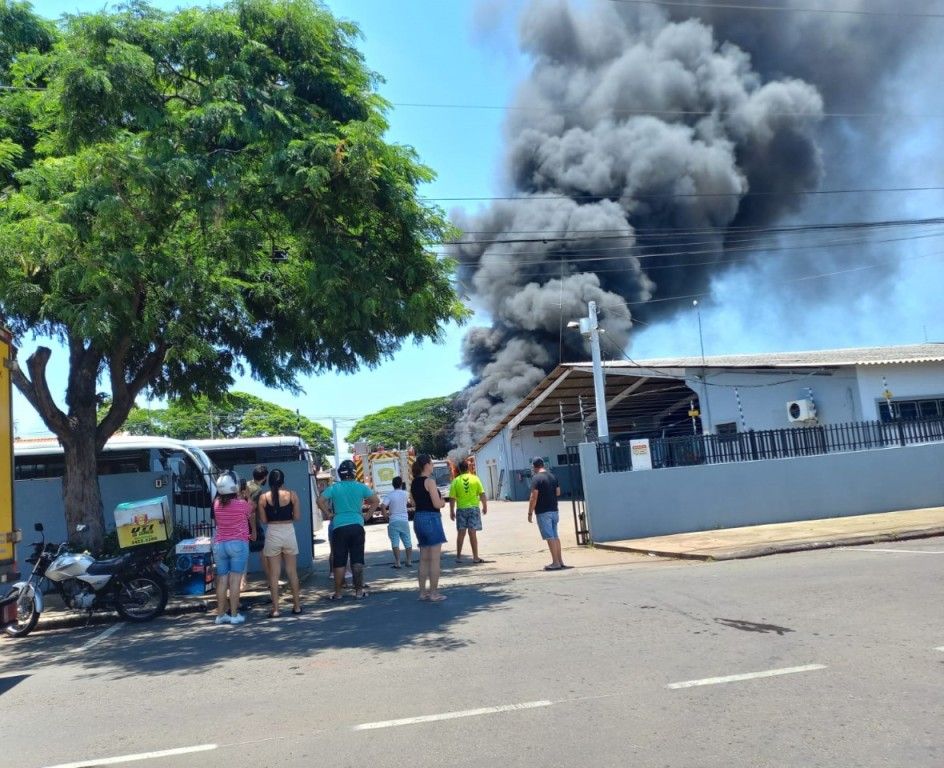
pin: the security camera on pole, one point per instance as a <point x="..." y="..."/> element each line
<point x="591" y="329"/>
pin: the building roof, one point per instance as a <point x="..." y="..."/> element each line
<point x="659" y="378"/>
<point x="932" y="352"/>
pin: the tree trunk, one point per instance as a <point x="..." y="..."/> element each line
<point x="81" y="494"/>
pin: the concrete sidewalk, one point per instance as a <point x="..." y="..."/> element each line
<point x="761" y="540"/>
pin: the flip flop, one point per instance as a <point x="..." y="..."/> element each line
<point x="274" y="614"/>
<point x="362" y="595"/>
<point x="437" y="598"/>
<point x="334" y="597"/>
<point x="477" y="561"/>
<point x="553" y="567"/>
<point x="397" y="567"/>
<point x="297" y="611"/>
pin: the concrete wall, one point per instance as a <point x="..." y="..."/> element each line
<point x="914" y="380"/>
<point x="40" y="501"/>
<point x="628" y="505"/>
<point x="297" y="479"/>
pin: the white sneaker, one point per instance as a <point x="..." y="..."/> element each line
<point x="237" y="619"/>
<point x="224" y="619"/>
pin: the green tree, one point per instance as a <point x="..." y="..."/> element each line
<point x="427" y="425"/>
<point x="236" y="415"/>
<point x="201" y="192"/>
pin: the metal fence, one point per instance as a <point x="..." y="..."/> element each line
<point x="757" y="445"/>
<point x="192" y="501"/>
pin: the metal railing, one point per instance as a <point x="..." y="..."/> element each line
<point x="758" y="445"/>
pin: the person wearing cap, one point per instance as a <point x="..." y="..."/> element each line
<point x="235" y="528"/>
<point x="543" y="502"/>
<point x="348" y="504"/>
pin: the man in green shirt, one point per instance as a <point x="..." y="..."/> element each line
<point x="466" y="492"/>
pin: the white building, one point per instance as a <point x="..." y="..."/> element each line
<point x="729" y="393"/>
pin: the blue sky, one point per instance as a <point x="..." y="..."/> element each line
<point x="430" y="52"/>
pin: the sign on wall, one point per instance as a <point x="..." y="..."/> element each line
<point x="639" y="454"/>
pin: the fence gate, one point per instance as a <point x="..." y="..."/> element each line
<point x="191" y="503"/>
<point x="581" y="529"/>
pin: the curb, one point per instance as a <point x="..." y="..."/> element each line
<point x="786" y="547"/>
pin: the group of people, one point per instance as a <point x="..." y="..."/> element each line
<point x="348" y="504"/>
<point x="238" y="513"/>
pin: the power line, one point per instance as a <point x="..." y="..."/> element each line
<point x="822" y="227"/>
<point x="630" y="251"/>
<point x="684" y="195"/>
<point x="783" y="9"/>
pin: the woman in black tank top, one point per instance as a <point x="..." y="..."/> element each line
<point x="427" y="525"/>
<point x="279" y="508"/>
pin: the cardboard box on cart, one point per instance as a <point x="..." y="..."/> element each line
<point x="140" y="523"/>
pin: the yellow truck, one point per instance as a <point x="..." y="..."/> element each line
<point x="9" y="535"/>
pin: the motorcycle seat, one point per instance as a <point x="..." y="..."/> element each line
<point x="109" y="566"/>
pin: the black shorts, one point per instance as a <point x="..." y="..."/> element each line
<point x="347" y="541"/>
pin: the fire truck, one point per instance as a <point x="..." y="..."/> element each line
<point x="377" y="468"/>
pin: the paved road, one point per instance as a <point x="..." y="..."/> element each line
<point x="627" y="665"/>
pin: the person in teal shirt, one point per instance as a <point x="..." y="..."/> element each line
<point x="343" y="503"/>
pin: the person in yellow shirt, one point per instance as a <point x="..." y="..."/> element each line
<point x="465" y="493"/>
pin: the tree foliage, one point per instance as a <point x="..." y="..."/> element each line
<point x="427" y="425"/>
<point x="236" y="415"/>
<point x="189" y="194"/>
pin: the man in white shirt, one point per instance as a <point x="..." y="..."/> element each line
<point x="398" y="527"/>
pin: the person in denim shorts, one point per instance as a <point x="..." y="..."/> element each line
<point x="235" y="528"/>
<point x="428" y="527"/>
<point x="543" y="502"/>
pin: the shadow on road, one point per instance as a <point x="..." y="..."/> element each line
<point x="190" y="644"/>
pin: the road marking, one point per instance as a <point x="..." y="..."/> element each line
<point x="134" y="758"/>
<point x="745" y="676"/>
<point x="100" y="636"/>
<point x="452" y="715"/>
<point x="895" y="551"/>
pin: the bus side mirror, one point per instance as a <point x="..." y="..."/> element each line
<point x="38" y="528"/>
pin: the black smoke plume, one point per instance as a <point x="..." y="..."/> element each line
<point x="639" y="148"/>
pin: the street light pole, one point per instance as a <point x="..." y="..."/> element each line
<point x="706" y="428"/>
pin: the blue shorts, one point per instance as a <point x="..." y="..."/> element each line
<point x="399" y="530"/>
<point x="547" y="524"/>
<point x="428" y="528"/>
<point x="469" y="518"/>
<point x="231" y="557"/>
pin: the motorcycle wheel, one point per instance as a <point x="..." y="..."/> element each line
<point x="27" y="617"/>
<point x="141" y="598"/>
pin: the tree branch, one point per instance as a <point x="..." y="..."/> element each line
<point x="37" y="394"/>
<point x="125" y="392"/>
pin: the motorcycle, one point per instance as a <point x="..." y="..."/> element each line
<point x="134" y="584"/>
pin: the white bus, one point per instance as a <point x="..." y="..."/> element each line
<point x="227" y="454"/>
<point x="190" y="469"/>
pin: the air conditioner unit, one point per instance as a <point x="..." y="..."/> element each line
<point x="801" y="410"/>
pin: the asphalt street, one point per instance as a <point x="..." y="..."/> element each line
<point x="829" y="658"/>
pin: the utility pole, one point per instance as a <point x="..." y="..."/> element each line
<point x="337" y="449"/>
<point x="590" y="328"/>
<point x="706" y="427"/>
